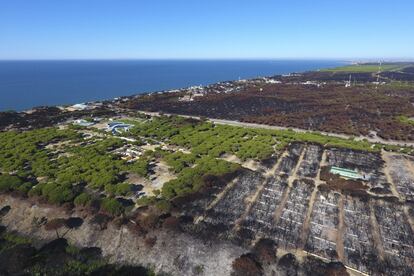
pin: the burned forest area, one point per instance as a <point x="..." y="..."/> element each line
<point x="365" y="225"/>
<point x="124" y="187"/>
<point x="337" y="102"/>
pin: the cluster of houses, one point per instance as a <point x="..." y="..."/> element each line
<point x="118" y="127"/>
<point x="83" y="106"/>
<point x="114" y="127"/>
<point x="218" y="88"/>
<point x="314" y="83"/>
<point x="129" y="152"/>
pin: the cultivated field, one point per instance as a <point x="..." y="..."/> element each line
<point x="366" y="68"/>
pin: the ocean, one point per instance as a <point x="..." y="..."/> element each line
<point x="27" y="84"/>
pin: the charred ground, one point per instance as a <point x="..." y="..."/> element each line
<point x="314" y="100"/>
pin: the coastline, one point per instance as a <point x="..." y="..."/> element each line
<point x="49" y="83"/>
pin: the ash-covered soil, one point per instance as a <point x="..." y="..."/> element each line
<point x="315" y="101"/>
<point x="173" y="252"/>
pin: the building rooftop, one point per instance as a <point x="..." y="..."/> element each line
<point x="80" y="106"/>
<point x="82" y="122"/>
<point x="347" y="173"/>
<point x="118" y="127"/>
<point x="114" y="124"/>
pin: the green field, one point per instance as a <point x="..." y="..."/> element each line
<point x="365" y="68"/>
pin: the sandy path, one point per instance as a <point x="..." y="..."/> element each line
<point x="410" y="219"/>
<point x="253" y="199"/>
<point x="223" y="193"/>
<point x="377" y="242"/>
<point x="306" y="222"/>
<point x="341" y="230"/>
<point x="308" y="217"/>
<point x="226" y="189"/>
<point x="386" y="156"/>
<point x="410" y="165"/>
<point x="286" y="193"/>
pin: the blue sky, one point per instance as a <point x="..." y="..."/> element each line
<point x="118" y="29"/>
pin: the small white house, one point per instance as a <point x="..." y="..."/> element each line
<point x="79" y="106"/>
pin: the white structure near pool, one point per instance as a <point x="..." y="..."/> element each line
<point x="118" y="127"/>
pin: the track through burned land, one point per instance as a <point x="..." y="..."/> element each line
<point x="287" y="191"/>
<point x="341" y="230"/>
<point x="255" y="196"/>
<point x="375" y="231"/>
<point x="302" y="213"/>
<point x="307" y="102"/>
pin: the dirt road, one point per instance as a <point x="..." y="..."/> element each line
<point x="253" y="125"/>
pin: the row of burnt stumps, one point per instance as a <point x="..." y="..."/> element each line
<point x="303" y="208"/>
